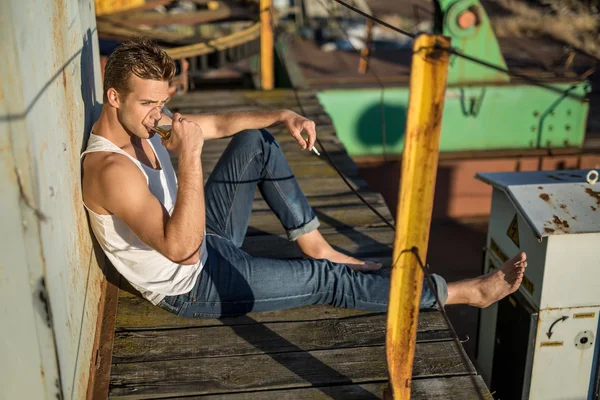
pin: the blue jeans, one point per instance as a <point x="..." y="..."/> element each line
<point x="233" y="283"/>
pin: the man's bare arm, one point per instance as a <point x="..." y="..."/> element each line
<point x="125" y="193"/>
<point x="217" y="126"/>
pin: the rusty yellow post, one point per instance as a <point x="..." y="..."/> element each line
<point x="428" y="75"/>
<point x="266" y="46"/>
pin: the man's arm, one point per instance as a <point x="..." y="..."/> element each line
<point x="215" y="126"/>
<point x="125" y="193"/>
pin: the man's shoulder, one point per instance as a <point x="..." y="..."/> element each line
<point x="101" y="163"/>
<point x="105" y="170"/>
<point x="107" y="177"/>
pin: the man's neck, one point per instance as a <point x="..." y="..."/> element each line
<point x="109" y="127"/>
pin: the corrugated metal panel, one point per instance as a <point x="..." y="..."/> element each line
<point x="50" y="94"/>
<point x="552" y="203"/>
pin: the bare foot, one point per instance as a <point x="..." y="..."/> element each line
<point x="340" y="258"/>
<point x="498" y="284"/>
<point x="313" y="245"/>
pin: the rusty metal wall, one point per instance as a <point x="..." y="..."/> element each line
<point x="50" y="279"/>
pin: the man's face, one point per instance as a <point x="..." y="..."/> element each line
<point x="141" y="107"/>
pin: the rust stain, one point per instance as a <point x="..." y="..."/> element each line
<point x="552" y="344"/>
<point x="545" y="197"/>
<point x="540" y="187"/>
<point x="548" y="230"/>
<point x="561" y="224"/>
<point x="563" y="206"/>
<point x="593" y="208"/>
<point x="593" y="194"/>
<point x="64" y="79"/>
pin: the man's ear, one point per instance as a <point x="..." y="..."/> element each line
<point x="113" y="98"/>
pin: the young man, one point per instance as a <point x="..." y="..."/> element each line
<point x="178" y="241"/>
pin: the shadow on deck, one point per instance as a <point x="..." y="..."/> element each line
<point x="316" y="352"/>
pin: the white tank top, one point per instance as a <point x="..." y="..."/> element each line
<point x="148" y="271"/>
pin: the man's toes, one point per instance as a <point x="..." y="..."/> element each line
<point x="518" y="258"/>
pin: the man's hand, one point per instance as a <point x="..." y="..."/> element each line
<point x="186" y="136"/>
<point x="296" y="124"/>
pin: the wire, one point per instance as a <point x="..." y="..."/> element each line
<point x="372" y="72"/>
<point x="325" y="153"/>
<point x="372" y="18"/>
<point x="460" y="54"/>
<point x="413" y="250"/>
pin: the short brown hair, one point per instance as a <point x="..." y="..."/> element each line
<point x="140" y="56"/>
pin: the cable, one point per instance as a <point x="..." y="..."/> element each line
<point x="458" y="53"/>
<point x="372" y="72"/>
<point x="372" y="18"/>
<point x="413" y="250"/>
<point x="323" y="150"/>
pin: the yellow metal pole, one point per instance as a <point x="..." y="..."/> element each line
<point x="266" y="45"/>
<point x="428" y="76"/>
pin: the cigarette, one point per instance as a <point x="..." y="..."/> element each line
<point x="314" y="149"/>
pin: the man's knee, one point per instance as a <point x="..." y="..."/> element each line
<point x="254" y="138"/>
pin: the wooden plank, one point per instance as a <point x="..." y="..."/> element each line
<point x="470" y="387"/>
<point x="328" y="186"/>
<point x="136" y="313"/>
<point x="325" y="186"/>
<point x="238" y="340"/>
<point x="227" y="97"/>
<point x="105" y="333"/>
<point x="341" y="199"/>
<point x="288" y="144"/>
<point x="308" y="110"/>
<point x="312" y="168"/>
<point x="278" y="370"/>
<point x="333" y="217"/>
<point x="357" y="242"/>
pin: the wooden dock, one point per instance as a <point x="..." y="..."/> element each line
<point x="316" y="352"/>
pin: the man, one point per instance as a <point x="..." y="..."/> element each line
<point x="178" y="242"/>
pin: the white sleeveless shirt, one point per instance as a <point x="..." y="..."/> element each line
<point x="148" y="271"/>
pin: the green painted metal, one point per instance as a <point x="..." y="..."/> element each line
<point x="477" y="118"/>
<point x="478" y="41"/>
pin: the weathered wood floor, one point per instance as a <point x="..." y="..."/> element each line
<point x="315" y="352"/>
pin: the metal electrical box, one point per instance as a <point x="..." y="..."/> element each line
<point x="540" y="342"/>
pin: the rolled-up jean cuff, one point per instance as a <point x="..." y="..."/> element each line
<point x="310" y="226"/>
<point x="441" y="287"/>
